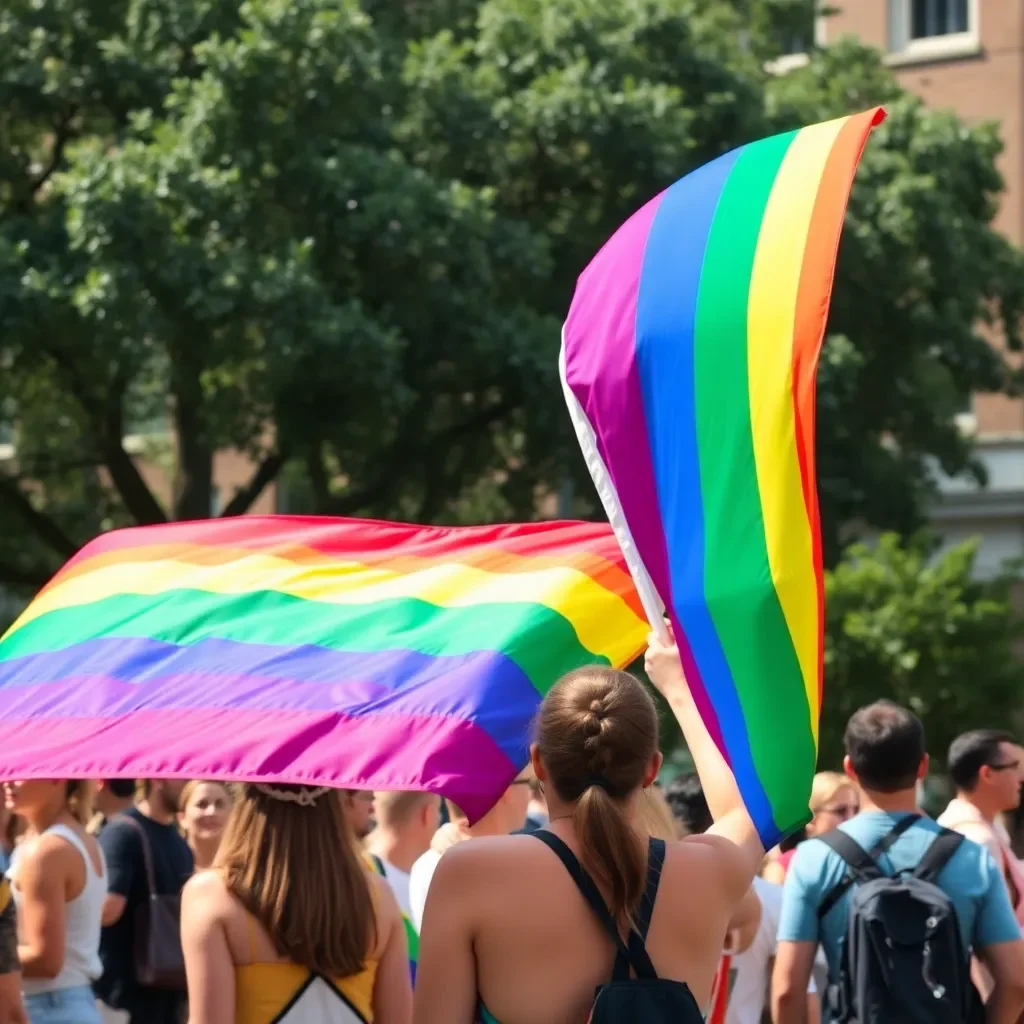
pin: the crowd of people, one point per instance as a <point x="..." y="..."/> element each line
<point x="587" y="892"/>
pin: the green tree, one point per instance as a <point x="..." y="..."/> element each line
<point x="341" y="238"/>
<point x="582" y="109"/>
<point x="922" y="630"/>
<point x="204" y="224"/>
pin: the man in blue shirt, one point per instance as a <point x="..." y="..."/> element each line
<point x="886" y="757"/>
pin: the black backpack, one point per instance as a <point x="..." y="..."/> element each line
<point x="903" y="958"/>
<point x="645" y="999"/>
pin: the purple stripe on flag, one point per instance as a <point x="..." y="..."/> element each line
<point x="601" y="370"/>
<point x="375" y="751"/>
<point x="113" y="676"/>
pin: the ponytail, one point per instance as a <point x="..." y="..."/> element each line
<point x="597" y="736"/>
<point x="611" y="851"/>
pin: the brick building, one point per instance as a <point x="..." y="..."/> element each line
<point x="967" y="55"/>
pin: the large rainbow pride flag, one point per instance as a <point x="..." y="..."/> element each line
<point x="342" y="652"/>
<point x="689" y="359"/>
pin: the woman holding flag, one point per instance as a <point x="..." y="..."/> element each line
<point x="596" y="752"/>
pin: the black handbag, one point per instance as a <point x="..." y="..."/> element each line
<point x="159" y="961"/>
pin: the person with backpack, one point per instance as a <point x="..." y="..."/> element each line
<point x="590" y="918"/>
<point x="897" y="902"/>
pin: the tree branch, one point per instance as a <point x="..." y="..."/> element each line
<point x="405" y="456"/>
<point x="62" y="136"/>
<point x="264" y="475"/>
<point x="107" y="421"/>
<point x="138" y="498"/>
<point x="317" y="471"/>
<point x="45" y="528"/>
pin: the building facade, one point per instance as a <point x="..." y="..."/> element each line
<point x="968" y="56"/>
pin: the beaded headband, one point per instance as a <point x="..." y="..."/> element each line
<point x="302" y="797"/>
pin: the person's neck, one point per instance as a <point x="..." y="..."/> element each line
<point x="115" y="807"/>
<point x="47" y="818"/>
<point x="980" y="804"/>
<point x="564" y="812"/>
<point x="902" y="802"/>
<point x="400" y="851"/>
<point x="204" y="851"/>
<point x="155" y="812"/>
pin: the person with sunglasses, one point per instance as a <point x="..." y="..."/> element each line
<point x="834" y="799"/>
<point x="838" y="887"/>
<point x="985" y="766"/>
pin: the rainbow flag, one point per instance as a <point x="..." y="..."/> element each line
<point x="688" y="361"/>
<point x="359" y="654"/>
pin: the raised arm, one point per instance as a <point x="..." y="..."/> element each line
<point x="732" y="822"/>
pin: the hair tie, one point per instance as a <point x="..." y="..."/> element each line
<point x="600" y="781"/>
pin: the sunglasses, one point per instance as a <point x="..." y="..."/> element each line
<point x="1009" y="766"/>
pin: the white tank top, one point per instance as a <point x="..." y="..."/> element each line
<point x="82" y="922"/>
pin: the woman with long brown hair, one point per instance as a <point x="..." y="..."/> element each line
<point x="292" y="914"/>
<point x="507" y="934"/>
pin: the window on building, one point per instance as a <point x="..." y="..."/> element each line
<point x="930" y="18"/>
<point x="933" y="29"/>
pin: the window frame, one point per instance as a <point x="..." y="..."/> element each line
<point x="904" y="49"/>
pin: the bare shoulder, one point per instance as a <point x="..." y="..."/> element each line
<point x="490" y="853"/>
<point x="206" y="895"/>
<point x="712" y="859"/>
<point x="475" y="862"/>
<point x="45" y="853"/>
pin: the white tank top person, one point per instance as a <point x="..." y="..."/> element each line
<point x="82" y="922"/>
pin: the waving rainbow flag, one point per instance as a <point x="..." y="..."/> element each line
<point x="359" y="654"/>
<point x="689" y="360"/>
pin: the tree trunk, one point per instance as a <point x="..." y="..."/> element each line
<point x="193" y="492"/>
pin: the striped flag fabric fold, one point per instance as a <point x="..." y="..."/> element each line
<point x="689" y="361"/>
<point x="353" y="653"/>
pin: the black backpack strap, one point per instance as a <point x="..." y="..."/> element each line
<point x="938" y="855"/>
<point x="862" y="865"/>
<point x="636" y="955"/>
<point x="655" y="862"/>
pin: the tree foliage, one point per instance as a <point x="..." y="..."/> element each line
<point x="339" y="237"/>
<point x="923" y="631"/>
<point x="205" y="226"/>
